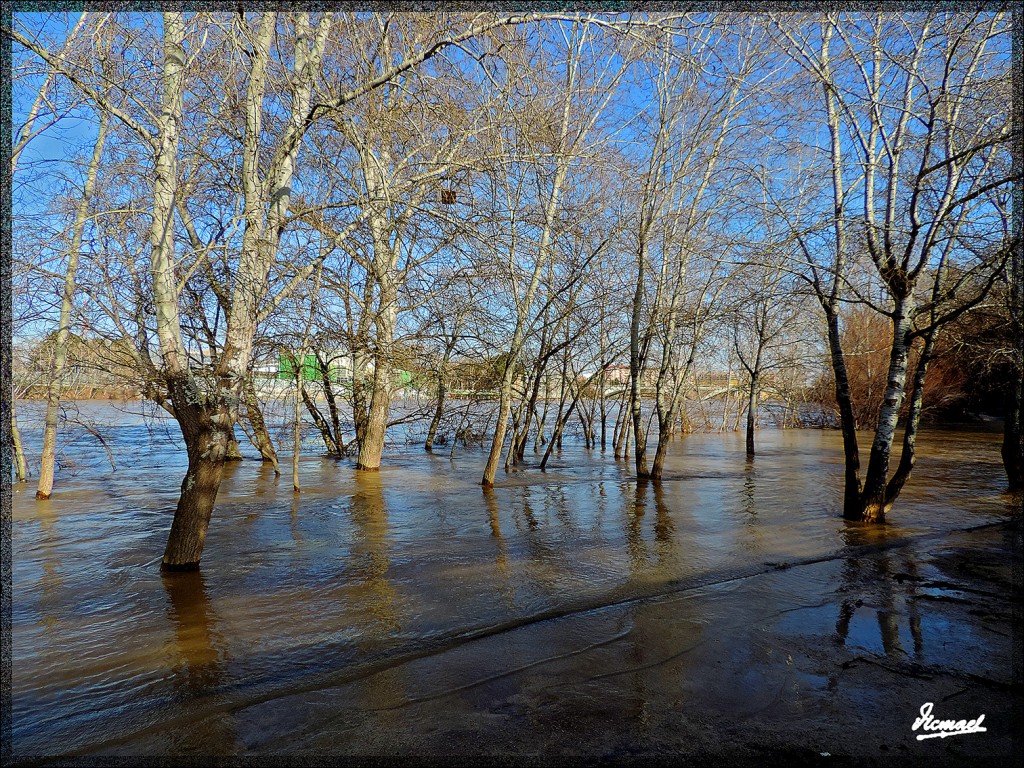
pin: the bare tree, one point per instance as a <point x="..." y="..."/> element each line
<point x="922" y="106"/>
<point x="557" y="139"/>
<point x="45" y="486"/>
<point x="206" y="407"/>
<point x="765" y="329"/>
<point x="684" y="193"/>
<point x="31" y="128"/>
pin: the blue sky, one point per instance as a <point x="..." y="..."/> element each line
<point x="46" y="159"/>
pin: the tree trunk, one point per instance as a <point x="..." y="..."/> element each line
<point x="261" y="438"/>
<point x="728" y="395"/>
<point x="372" y="447"/>
<point x="542" y="421"/>
<point x="556" y="435"/>
<point x="873" y="497"/>
<point x="516" y="417"/>
<point x="658" y="466"/>
<point x="751" y="414"/>
<point x="234" y="451"/>
<point x="20" y="465"/>
<point x="384" y="274"/>
<point x="622" y="426"/>
<point x="45" y="486"/>
<point x="666" y="412"/>
<point x="522" y="438"/>
<point x="522" y="318"/>
<point x="847" y="420"/>
<point x="360" y="406"/>
<point x="195" y="505"/>
<point x="205" y="437"/>
<point x="586" y="417"/>
<point x="504" y="409"/>
<point x="300" y="395"/>
<point x="206" y="442"/>
<point x="442" y="388"/>
<point x="561" y="417"/>
<point x="604" y="417"/>
<point x="908" y="453"/>
<point x="331" y="437"/>
<point x="438" y="413"/>
<point x="615" y="433"/>
<point x="635" y="371"/>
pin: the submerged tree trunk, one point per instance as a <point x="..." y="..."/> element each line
<point x="300" y="395"/>
<point x="360" y="402"/>
<point x="728" y="395"/>
<point x="206" y="441"/>
<point x="636" y="370"/>
<point x="438" y="413"/>
<point x="332" y="407"/>
<point x="847" y="421"/>
<point x="442" y="387"/>
<point x="665" y="406"/>
<point x="622" y="426"/>
<point x="205" y="438"/>
<point x="195" y="505"/>
<point x="517" y="416"/>
<point x="874" y="503"/>
<point x="586" y="417"/>
<point x="604" y="416"/>
<point x="383" y="270"/>
<point x="261" y="438"/>
<point x="518" y="448"/>
<point x="501" y="427"/>
<point x="751" y="414"/>
<point x="442" y="393"/>
<point x="661" y="451"/>
<point x="556" y="434"/>
<point x="372" y="447"/>
<point x="542" y="420"/>
<point x="331" y="437"/>
<point x="206" y="418"/>
<point x="234" y="450"/>
<point x="60" y="351"/>
<point x="561" y="416"/>
<point x="666" y="420"/>
<point x="908" y="454"/>
<point x="20" y="465"/>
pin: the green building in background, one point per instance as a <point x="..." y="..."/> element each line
<point x="339" y="373"/>
<point x="311" y="370"/>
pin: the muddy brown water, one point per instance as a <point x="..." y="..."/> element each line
<point x="302" y="594"/>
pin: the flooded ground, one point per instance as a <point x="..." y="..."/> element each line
<point x="728" y="610"/>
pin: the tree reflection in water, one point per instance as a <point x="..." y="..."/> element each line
<point x="374" y="597"/>
<point x="202" y="657"/>
<point x="501" y="548"/>
<point x="884" y="583"/>
<point x="200" y="649"/>
<point x="373" y="593"/>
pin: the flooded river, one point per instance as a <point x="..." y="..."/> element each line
<point x="361" y="603"/>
